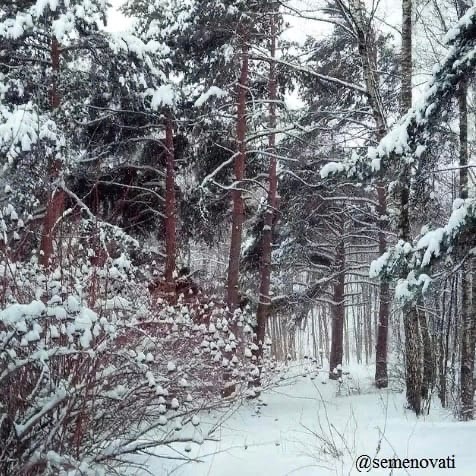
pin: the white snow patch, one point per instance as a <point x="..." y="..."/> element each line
<point x="162" y="96"/>
<point x="213" y="91"/>
<point x="331" y="168"/>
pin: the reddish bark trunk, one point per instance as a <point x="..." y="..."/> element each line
<point x="368" y="55"/>
<point x="270" y="214"/>
<point x="170" y="209"/>
<point x="56" y="198"/>
<point x="239" y="169"/>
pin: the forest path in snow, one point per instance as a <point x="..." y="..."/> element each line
<point x="309" y="427"/>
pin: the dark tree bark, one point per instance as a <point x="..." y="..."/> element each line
<point x="264" y="303"/>
<point x="338" y="315"/>
<point x="56" y="197"/>
<point x="381" y="349"/>
<point x="170" y="207"/>
<point x="410" y="315"/>
<point x="467" y="347"/>
<point x="369" y="64"/>
<point x="55" y="99"/>
<point x="362" y="26"/>
<point x="463" y="139"/>
<point x="232" y="298"/>
<point x="428" y="361"/>
<point x="467" y="281"/>
<point x="442" y="352"/>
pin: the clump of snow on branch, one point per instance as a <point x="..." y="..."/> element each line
<point x="163" y="96"/>
<point x="433" y="241"/>
<point x="213" y="91"/>
<point x="417" y="257"/>
<point x="23" y="127"/>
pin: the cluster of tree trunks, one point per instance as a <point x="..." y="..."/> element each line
<point x="422" y="364"/>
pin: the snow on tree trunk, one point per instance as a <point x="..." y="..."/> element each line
<point x="56" y="197"/>
<point x="239" y="170"/>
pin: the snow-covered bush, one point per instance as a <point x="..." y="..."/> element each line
<point x="93" y="369"/>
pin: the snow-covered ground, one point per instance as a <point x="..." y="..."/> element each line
<point x="308" y="427"/>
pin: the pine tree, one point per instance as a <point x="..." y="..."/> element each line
<point x="64" y="92"/>
<point x="264" y="298"/>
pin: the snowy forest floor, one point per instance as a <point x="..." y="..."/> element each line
<point x="308" y="427"/>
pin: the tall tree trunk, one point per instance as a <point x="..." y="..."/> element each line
<point x="381" y="348"/>
<point x="368" y="56"/>
<point x="325" y="326"/>
<point x="442" y="354"/>
<point x="239" y="169"/>
<point x="358" y="332"/>
<point x="170" y="207"/>
<point x="428" y="362"/>
<point x="467" y="344"/>
<point x="338" y="315"/>
<point x="410" y="314"/>
<point x="468" y="318"/>
<point x="455" y="344"/>
<point x="56" y="196"/>
<point x="55" y="99"/>
<point x="413" y="358"/>
<point x="264" y="303"/>
<point x="315" y="345"/>
<point x="346" y="339"/>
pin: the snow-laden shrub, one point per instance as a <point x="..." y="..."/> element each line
<point x="92" y="369"/>
<point x="81" y="389"/>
